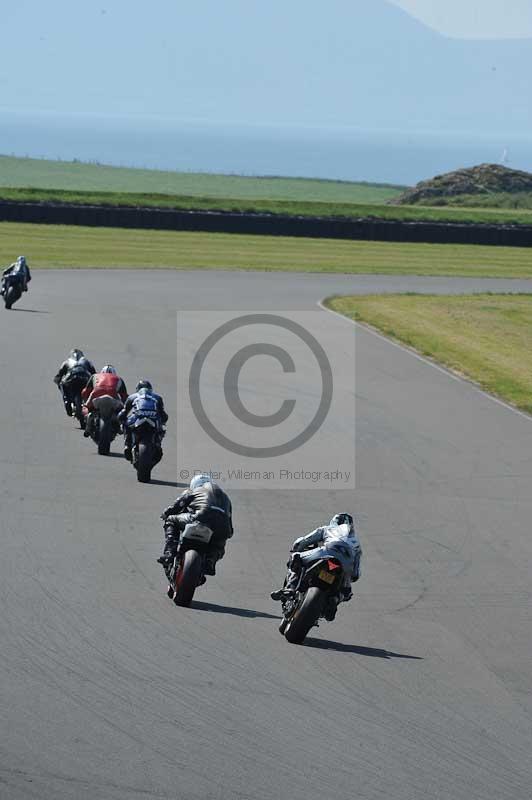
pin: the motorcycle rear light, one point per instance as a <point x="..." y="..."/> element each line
<point x="332" y="565"/>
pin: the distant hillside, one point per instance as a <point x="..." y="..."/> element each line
<point x="487" y="182"/>
<point x="77" y="176"/>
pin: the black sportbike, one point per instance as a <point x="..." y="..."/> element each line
<point x="146" y="445"/>
<point x="104" y="425"/>
<point x="71" y="387"/>
<point x="316" y="597"/>
<point x="12" y="287"/>
<point x="188" y="569"/>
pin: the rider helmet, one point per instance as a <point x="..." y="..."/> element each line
<point x="144" y="384"/>
<point x="76" y="353"/>
<point x="109" y="369"/>
<point x="21" y="261"/>
<point x="342" y="519"/>
<point x="199" y="480"/>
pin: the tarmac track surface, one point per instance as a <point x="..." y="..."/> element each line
<point x="419" y="689"/>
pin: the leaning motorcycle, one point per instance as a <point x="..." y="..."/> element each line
<point x="12" y="286"/>
<point x="146" y="446"/>
<point x="104" y="424"/>
<point x="316" y="597"/>
<point x="71" y="387"/>
<point x="188" y="569"/>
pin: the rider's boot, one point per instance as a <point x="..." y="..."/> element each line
<point x="216" y="554"/>
<point x="288" y="588"/>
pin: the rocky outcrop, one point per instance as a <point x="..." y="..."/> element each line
<point x="484" y="179"/>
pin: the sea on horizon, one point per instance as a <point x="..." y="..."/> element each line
<point x="349" y="154"/>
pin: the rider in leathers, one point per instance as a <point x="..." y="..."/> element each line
<point x="74" y="370"/>
<point x="105" y="382"/>
<point x="143" y="403"/>
<point x="18" y="267"/>
<point x="204" y="502"/>
<point x="337" y="540"/>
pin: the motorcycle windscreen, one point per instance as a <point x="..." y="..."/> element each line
<point x="197" y="532"/>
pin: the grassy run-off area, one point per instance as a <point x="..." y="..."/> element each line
<point x="56" y="246"/>
<point x="486" y="337"/>
<point x="363" y="208"/>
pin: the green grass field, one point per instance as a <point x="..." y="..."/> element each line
<point x="71" y="246"/>
<point x="486" y="337"/>
<point x="75" y="176"/>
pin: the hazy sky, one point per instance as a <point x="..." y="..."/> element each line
<point x="361" y="63"/>
<point x="474" y="18"/>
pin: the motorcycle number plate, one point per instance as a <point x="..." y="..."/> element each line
<point x="323" y="575"/>
<point x="198" y="532"/>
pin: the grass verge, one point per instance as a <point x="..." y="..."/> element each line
<point x="323" y="204"/>
<point x="75" y="246"/>
<point x="486" y="337"/>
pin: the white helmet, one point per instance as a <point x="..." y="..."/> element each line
<point x="109" y="369"/>
<point x="199" y="480"/>
<point x="343" y="519"/>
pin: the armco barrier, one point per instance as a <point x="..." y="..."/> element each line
<point x="268" y="224"/>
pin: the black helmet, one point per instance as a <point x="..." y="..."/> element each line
<point x="144" y="384"/>
<point x="77" y="353"/>
<point x="342" y="519"/>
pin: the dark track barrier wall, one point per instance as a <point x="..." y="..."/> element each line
<point x="271" y="225"/>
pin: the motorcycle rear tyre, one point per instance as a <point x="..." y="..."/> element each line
<point x="105" y="437"/>
<point x="144" y="463"/>
<point x="306" y="616"/>
<point x="9" y="298"/>
<point x="190" y="578"/>
<point x="78" y="412"/>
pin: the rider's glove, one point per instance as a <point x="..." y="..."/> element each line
<point x="167" y="511"/>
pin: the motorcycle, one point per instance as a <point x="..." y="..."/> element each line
<point x="146" y="446"/>
<point x="11" y="291"/>
<point x="188" y="569"/>
<point x="104" y="425"/>
<point x="71" y="388"/>
<point x="316" y="597"/>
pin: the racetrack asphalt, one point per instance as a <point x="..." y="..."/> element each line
<point x="419" y="689"/>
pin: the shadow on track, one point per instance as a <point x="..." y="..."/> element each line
<point x="169" y="483"/>
<point x="374" y="652"/>
<point x="113" y="455"/>
<point x="239" y="612"/>
<point x="31" y="310"/>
